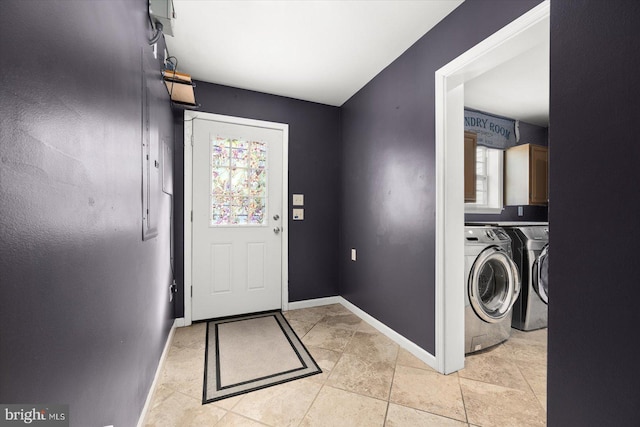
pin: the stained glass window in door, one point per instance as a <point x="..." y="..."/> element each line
<point x="238" y="182"/>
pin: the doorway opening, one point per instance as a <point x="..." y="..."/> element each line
<point x="511" y="41"/>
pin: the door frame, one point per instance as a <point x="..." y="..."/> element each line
<point x="188" y="200"/>
<point x="507" y="43"/>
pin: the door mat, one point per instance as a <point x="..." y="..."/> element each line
<point x="252" y="352"/>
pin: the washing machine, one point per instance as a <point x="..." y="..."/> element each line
<point x="530" y="247"/>
<point x="492" y="287"/>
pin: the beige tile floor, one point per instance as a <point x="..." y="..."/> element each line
<point x="367" y="380"/>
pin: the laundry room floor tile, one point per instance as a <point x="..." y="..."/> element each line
<point x="373" y="346"/>
<point x="324" y="336"/>
<point x="539" y="335"/>
<point x="401" y="416"/>
<point x="184" y="371"/>
<point x="536" y="376"/>
<point x="192" y="337"/>
<point x="174" y="408"/>
<point x="490" y="405"/>
<point x="366" y="379"/>
<point x="301" y="327"/>
<point x="310" y="315"/>
<point x="525" y="350"/>
<point x="283" y="405"/>
<point x="362" y="376"/>
<point x="335" y="407"/>
<point x="428" y="391"/>
<point x="344" y="321"/>
<point x="494" y="370"/>
<point x="326" y="360"/>
<point x="405" y="358"/>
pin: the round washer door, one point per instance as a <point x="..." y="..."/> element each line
<point x="494" y="284"/>
<point x="541" y="275"/>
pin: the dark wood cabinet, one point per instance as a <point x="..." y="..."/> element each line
<point x="470" y="143"/>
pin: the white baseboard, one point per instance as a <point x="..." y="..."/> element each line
<point x="403" y="342"/>
<point x="314" y="302"/>
<point x="165" y="351"/>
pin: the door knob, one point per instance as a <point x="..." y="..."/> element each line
<point x="276" y="230"/>
<point x="276" y="217"/>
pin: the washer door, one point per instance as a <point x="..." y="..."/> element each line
<point x="494" y="284"/>
<point x="541" y="275"/>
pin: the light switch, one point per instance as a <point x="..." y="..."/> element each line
<point x="353" y="254"/>
<point x="298" y="200"/>
<point x="298" y="214"/>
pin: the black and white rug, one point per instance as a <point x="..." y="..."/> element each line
<point x="251" y="352"/>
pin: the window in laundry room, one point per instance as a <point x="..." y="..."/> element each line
<point x="489" y="178"/>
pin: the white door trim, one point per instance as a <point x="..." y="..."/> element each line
<point x="188" y="200"/>
<point x="509" y="42"/>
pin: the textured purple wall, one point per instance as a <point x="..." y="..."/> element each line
<point x="314" y="170"/>
<point x="85" y="311"/>
<point x="593" y="372"/>
<point x="388" y="176"/>
<point x="533" y="134"/>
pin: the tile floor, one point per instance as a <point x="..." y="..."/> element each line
<point x="367" y="380"/>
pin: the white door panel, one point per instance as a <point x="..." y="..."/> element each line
<point x="237" y="196"/>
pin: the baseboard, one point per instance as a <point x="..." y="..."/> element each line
<point x="165" y="351"/>
<point x="403" y="342"/>
<point x="317" y="302"/>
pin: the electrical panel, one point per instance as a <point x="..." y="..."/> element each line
<point x="162" y="11"/>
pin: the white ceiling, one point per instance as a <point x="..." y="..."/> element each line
<point x="518" y="89"/>
<point x="326" y="50"/>
<point x="320" y="51"/>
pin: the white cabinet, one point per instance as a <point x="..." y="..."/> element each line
<point x="527" y="175"/>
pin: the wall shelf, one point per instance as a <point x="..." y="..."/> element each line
<point x="180" y="89"/>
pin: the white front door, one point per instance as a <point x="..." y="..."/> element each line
<point x="237" y="218"/>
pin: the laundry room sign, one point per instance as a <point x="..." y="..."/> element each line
<point x="493" y="132"/>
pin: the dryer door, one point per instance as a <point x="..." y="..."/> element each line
<point x="541" y="275"/>
<point x="494" y="284"/>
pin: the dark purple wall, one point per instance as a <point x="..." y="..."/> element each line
<point x="314" y="170"/>
<point x="388" y="175"/>
<point x="593" y="372"/>
<point x="533" y="134"/>
<point x="85" y="311"/>
<point x="529" y="134"/>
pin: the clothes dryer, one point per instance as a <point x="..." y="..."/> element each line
<point x="492" y="286"/>
<point x="530" y="247"/>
